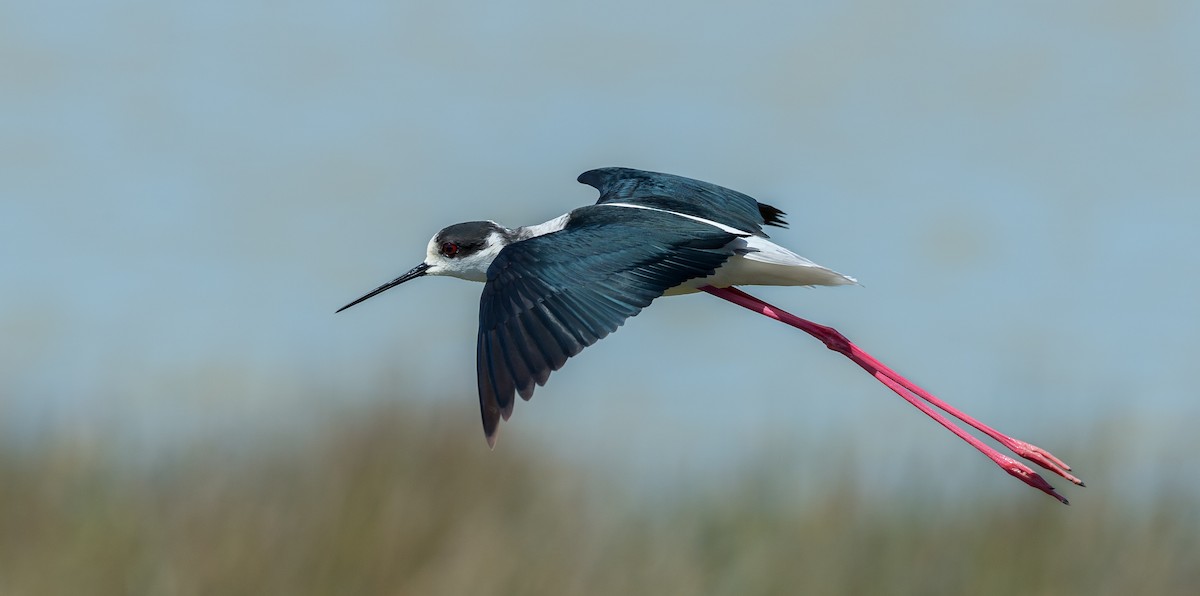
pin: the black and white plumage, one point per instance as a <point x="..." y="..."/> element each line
<point x="555" y="288"/>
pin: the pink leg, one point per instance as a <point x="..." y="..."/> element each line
<point x="905" y="389"/>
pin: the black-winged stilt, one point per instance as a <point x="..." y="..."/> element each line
<point x="552" y="289"/>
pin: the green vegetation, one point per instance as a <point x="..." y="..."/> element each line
<point x="373" y="504"/>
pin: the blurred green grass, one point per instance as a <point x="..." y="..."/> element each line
<point x="371" y="502"/>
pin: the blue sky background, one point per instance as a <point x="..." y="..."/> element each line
<point x="188" y="191"/>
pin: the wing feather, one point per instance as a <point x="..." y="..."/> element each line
<point x="549" y="297"/>
<point x="683" y="195"/>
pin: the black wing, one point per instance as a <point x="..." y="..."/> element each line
<point x="683" y="195"/>
<point x="549" y="297"/>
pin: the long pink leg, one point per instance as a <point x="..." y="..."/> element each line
<point x="906" y="389"/>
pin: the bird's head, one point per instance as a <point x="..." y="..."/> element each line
<point x="464" y="250"/>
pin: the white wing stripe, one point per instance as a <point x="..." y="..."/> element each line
<point x="720" y="226"/>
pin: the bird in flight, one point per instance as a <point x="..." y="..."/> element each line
<point x="552" y="289"/>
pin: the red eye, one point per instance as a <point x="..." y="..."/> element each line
<point x="449" y="249"/>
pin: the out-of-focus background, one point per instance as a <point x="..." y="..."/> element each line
<point x="188" y="191"/>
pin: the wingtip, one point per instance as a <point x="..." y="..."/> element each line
<point x="596" y="178"/>
<point x="772" y="216"/>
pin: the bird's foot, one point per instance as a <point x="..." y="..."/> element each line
<point x="1026" y="474"/>
<point x="1042" y="458"/>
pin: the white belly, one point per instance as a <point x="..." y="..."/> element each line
<point x="760" y="262"/>
<point x="756" y="262"/>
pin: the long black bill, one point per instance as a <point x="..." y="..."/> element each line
<point x="413" y="273"/>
